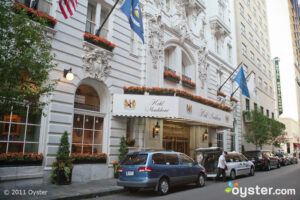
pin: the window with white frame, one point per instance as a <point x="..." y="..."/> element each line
<point x="219" y="78"/>
<point x="20" y="131"/>
<point x="266" y="87"/>
<point x="41" y="5"/>
<point x="258" y="63"/>
<point x="260" y="82"/>
<point x="250" y="37"/>
<point x="251" y="55"/>
<point x="241" y="9"/>
<point x="255" y="28"/>
<point x="244" y="49"/>
<point x="271" y="91"/>
<point x="187" y="67"/>
<point x="257" y="45"/>
<point x="96" y="14"/>
<point x="170" y="58"/>
<point x="243" y="30"/>
<point x="87" y="135"/>
<point x="220" y="140"/>
<point x="249" y="20"/>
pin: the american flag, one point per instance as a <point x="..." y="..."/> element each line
<point x="67" y="7"/>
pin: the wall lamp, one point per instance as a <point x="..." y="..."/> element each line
<point x="155" y="131"/>
<point x="205" y="135"/>
<point x="68" y="74"/>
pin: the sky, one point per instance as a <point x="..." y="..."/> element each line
<point x="281" y="46"/>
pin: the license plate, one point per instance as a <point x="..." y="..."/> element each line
<point x="129" y="173"/>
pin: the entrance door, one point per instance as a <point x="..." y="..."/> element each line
<point x="176" y="137"/>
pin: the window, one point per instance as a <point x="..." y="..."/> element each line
<point x="255" y="28"/>
<point x="170" y="58"/>
<point x="244" y="49"/>
<point x="220" y="140"/>
<point x="255" y="106"/>
<point x="87" y="136"/>
<point x="92" y="22"/>
<point x="242" y="28"/>
<point x="219" y="78"/>
<point x="247" y="104"/>
<point x="135" y="159"/>
<point x="187" y="67"/>
<point x="271" y="91"/>
<point x="262" y="110"/>
<point x="19" y="131"/>
<point x="263" y="52"/>
<point x="266" y="87"/>
<point x="241" y="9"/>
<point x="251" y="55"/>
<point x="134" y="43"/>
<point x="232" y="142"/>
<point x="267" y="113"/>
<point x="270" y="74"/>
<point x="158" y="159"/>
<point x="257" y="45"/>
<point x="250" y="37"/>
<point x="41" y="5"/>
<point x="259" y="82"/>
<point x="186" y="160"/>
<point x="172" y="159"/>
<point x="249" y="20"/>
<point x="258" y="63"/>
<point x="229" y="52"/>
<point x="265" y="68"/>
<point x="91" y="19"/>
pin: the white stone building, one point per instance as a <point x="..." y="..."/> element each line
<point x="193" y="38"/>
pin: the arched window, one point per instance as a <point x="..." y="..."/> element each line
<point x="88" y="122"/>
<point x="187" y="68"/>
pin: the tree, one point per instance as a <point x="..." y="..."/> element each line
<point x="123" y="149"/>
<point x="258" y="133"/>
<point x="61" y="169"/>
<point x="277" y="133"/>
<point x="25" y="59"/>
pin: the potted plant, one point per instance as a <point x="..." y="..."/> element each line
<point x="171" y="76"/>
<point x="123" y="149"/>
<point x="187" y="83"/>
<point x="20" y="159"/>
<point x="161" y="91"/>
<point x="134" y="90"/>
<point x="62" y="168"/>
<point x="219" y="93"/>
<point x="116" y="166"/>
<point x="130" y="142"/>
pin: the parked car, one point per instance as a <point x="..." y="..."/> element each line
<point x="291" y="159"/>
<point x="282" y="158"/>
<point x="237" y="163"/>
<point x="159" y="170"/>
<point x="263" y="159"/>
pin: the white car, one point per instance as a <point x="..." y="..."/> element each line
<point x="238" y="164"/>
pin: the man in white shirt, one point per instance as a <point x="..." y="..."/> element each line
<point x="222" y="166"/>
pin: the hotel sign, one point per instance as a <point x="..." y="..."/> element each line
<point x="279" y="99"/>
<point x="170" y="107"/>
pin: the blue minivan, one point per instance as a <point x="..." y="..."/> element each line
<point x="159" y="170"/>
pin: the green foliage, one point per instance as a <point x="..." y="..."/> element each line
<point x="123" y="149"/>
<point x="25" y="60"/>
<point x="243" y="148"/>
<point x="263" y="130"/>
<point x="63" y="159"/>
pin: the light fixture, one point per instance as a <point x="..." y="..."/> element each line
<point x="155" y="131"/>
<point x="68" y="74"/>
<point x="205" y="135"/>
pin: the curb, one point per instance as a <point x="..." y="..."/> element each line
<point x="93" y="195"/>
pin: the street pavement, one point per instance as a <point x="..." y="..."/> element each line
<point x="284" y="178"/>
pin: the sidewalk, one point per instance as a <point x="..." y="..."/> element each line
<point x="73" y="191"/>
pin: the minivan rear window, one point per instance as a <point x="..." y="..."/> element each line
<point x="135" y="159"/>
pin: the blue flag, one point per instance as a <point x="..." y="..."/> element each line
<point x="241" y="81"/>
<point x="132" y="9"/>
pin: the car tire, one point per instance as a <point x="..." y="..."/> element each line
<point x="278" y="165"/>
<point x="232" y="175"/>
<point x="268" y="166"/>
<point x="163" y="186"/>
<point x="252" y="172"/>
<point x="200" y="180"/>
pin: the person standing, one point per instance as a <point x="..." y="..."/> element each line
<point x="222" y="166"/>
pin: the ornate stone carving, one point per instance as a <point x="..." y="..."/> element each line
<point x="156" y="39"/>
<point x="179" y="19"/>
<point x="95" y="61"/>
<point x="202" y="64"/>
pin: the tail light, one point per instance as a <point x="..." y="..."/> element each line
<point x="145" y="169"/>
<point x="120" y="169"/>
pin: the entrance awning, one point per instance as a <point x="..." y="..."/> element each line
<point x="296" y="145"/>
<point x="127" y="105"/>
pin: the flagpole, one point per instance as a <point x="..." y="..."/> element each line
<point x="239" y="87"/>
<point x="230" y="76"/>
<point x="98" y="31"/>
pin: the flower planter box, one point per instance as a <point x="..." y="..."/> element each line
<point x="161" y="94"/>
<point x="188" y="85"/>
<point x="219" y="93"/>
<point x="171" y="76"/>
<point x="233" y="99"/>
<point x="89" y="161"/>
<point x="134" y="92"/>
<point x="98" y="41"/>
<point x="21" y="163"/>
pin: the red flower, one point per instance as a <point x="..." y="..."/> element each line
<point x="221" y="93"/>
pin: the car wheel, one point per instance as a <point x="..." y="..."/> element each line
<point x="252" y="171"/>
<point x="278" y="165"/>
<point x="131" y="190"/>
<point x="163" y="187"/>
<point x="200" y="180"/>
<point x="232" y="175"/>
<point x="268" y="167"/>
